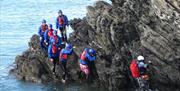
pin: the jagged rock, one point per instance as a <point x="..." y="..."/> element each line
<point x="33" y="65"/>
<point x="141" y="27"/>
<point x="146" y="27"/>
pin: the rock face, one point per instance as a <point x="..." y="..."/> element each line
<point x="141" y="27"/>
<point x="118" y="32"/>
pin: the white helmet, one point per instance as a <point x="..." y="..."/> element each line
<point x="140" y="58"/>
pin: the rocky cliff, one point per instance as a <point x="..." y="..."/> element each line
<point x="118" y="32"/>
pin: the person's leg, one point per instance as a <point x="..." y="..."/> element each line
<point x="65" y="36"/>
<point x="62" y="68"/>
<point x="84" y="71"/>
<point x="62" y="35"/>
<point x="53" y="65"/>
<point x="65" y="71"/>
<point x="42" y="42"/>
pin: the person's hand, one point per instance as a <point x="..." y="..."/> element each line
<point x="51" y="60"/>
<point x="40" y="38"/>
<point x="74" y="47"/>
<point x="46" y="43"/>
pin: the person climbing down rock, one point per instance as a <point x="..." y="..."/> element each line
<point x="57" y="39"/>
<point x="61" y="24"/>
<point x="48" y="34"/>
<point x="41" y="32"/>
<point x="87" y="62"/>
<point x="139" y="72"/>
<point x="65" y="52"/>
<point x="53" y="54"/>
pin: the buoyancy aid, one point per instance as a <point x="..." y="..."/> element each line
<point x="134" y="69"/>
<point x="44" y="27"/>
<point x="54" y="49"/>
<point x="63" y="55"/>
<point x="50" y="33"/>
<point x="61" y="20"/>
<point x="55" y="38"/>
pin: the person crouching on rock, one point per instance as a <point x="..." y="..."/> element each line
<point x="48" y="34"/>
<point x="53" y="54"/>
<point x="68" y="50"/>
<point x="87" y="56"/>
<point x="41" y="32"/>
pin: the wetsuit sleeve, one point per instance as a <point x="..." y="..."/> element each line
<point x="46" y="35"/>
<point x="66" y="20"/>
<point x="39" y="31"/>
<point x="50" y="39"/>
<point x="59" y="41"/>
<point x="57" y="24"/>
<point x="60" y="54"/>
<point x="49" y="51"/>
<point x="70" y="52"/>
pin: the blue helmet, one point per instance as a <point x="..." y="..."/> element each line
<point x="91" y="51"/>
<point x="43" y="21"/>
<point x="50" y="25"/>
<point x="54" y="32"/>
<point x="68" y="46"/>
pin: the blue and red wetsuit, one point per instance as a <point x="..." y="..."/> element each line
<point x="85" y="61"/>
<point x="53" y="53"/>
<point x="41" y="33"/>
<point x="63" y="59"/>
<point x="48" y="33"/>
<point x="61" y="23"/>
<point x="57" y="39"/>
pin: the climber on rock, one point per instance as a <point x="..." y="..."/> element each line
<point x="41" y="32"/>
<point x="87" y="62"/>
<point x="48" y="34"/>
<point x="56" y="38"/>
<point x="139" y="69"/>
<point x="65" y="52"/>
<point x="61" y="24"/>
<point x="53" y="54"/>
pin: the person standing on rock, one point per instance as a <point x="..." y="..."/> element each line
<point x="53" y="54"/>
<point x="48" y="34"/>
<point x="41" y="32"/>
<point x="87" y="57"/>
<point x="68" y="50"/>
<point x="56" y="38"/>
<point x="61" y="24"/>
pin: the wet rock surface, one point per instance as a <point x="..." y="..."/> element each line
<point x="34" y="65"/>
<point x="127" y="27"/>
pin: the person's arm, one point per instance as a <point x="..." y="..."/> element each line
<point x="49" y="51"/>
<point x="57" y="24"/>
<point x="50" y="40"/>
<point x="66" y="20"/>
<point x="46" y="35"/>
<point x="59" y="41"/>
<point x="60" y="54"/>
<point x="39" y="31"/>
<point x="71" y="51"/>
